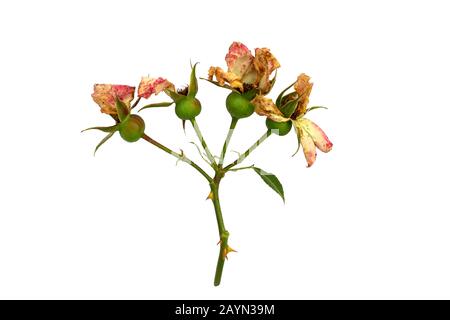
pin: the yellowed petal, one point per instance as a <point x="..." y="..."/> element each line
<point x="265" y="63"/>
<point x="222" y="77"/>
<point x="316" y="133"/>
<point x="149" y="86"/>
<point x="309" y="149"/>
<point x="105" y="96"/>
<point x="303" y="87"/>
<point x="306" y="142"/>
<point x="211" y="73"/>
<point x="251" y="76"/>
<point x="266" y="107"/>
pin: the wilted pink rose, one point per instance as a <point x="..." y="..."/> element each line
<point x="246" y="69"/>
<point x="149" y="86"/>
<point x="105" y="96"/>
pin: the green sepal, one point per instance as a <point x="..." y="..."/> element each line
<point x="226" y="86"/>
<point x="289" y="107"/>
<point x="134" y="105"/>
<point x="156" y="105"/>
<point x="298" y="132"/>
<point x="108" y="136"/>
<point x="249" y="95"/>
<point x="104" y="129"/>
<point x="280" y="96"/>
<point x="271" y="180"/>
<point x="315" y="107"/>
<point x="174" y="95"/>
<point x="193" y="84"/>
<point x="122" y="110"/>
<point x="272" y="82"/>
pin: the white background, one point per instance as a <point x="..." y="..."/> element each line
<point x="368" y="220"/>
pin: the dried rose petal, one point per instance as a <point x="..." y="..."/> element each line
<point x="105" y="96"/>
<point x="303" y="87"/>
<point x="266" y="107"/>
<point x="308" y="146"/>
<point x="222" y="77"/>
<point x="265" y="63"/>
<point x="319" y="137"/>
<point x="149" y="86"/>
<point x="310" y="136"/>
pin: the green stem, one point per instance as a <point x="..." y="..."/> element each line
<point x="204" y="145"/>
<point x="242" y="168"/>
<point x="227" y="140"/>
<point x="177" y="155"/>
<point x="249" y="150"/>
<point x="223" y="233"/>
<point x="218" y="210"/>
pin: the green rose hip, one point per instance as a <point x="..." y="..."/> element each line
<point x="279" y="128"/>
<point x="188" y="108"/>
<point x="238" y="106"/>
<point x="132" y="129"/>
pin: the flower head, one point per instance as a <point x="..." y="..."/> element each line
<point x="292" y="107"/>
<point x="245" y="71"/>
<point x="105" y="96"/>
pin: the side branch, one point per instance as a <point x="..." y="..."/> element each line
<point x="177" y="155"/>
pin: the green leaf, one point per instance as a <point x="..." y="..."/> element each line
<point x="108" y="136"/>
<point x="122" y="110"/>
<point x="271" y="180"/>
<point x="289" y="107"/>
<point x="104" y="129"/>
<point x="156" y="105"/>
<point x="315" y="107"/>
<point x="280" y="96"/>
<point x="193" y="84"/>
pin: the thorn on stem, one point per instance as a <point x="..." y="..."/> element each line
<point x="181" y="157"/>
<point x="226" y="251"/>
<point x="210" y="196"/>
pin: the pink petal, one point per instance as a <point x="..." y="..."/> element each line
<point x="123" y="93"/>
<point x="319" y="137"/>
<point x="239" y="59"/>
<point x="105" y="96"/>
<point x="149" y="86"/>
